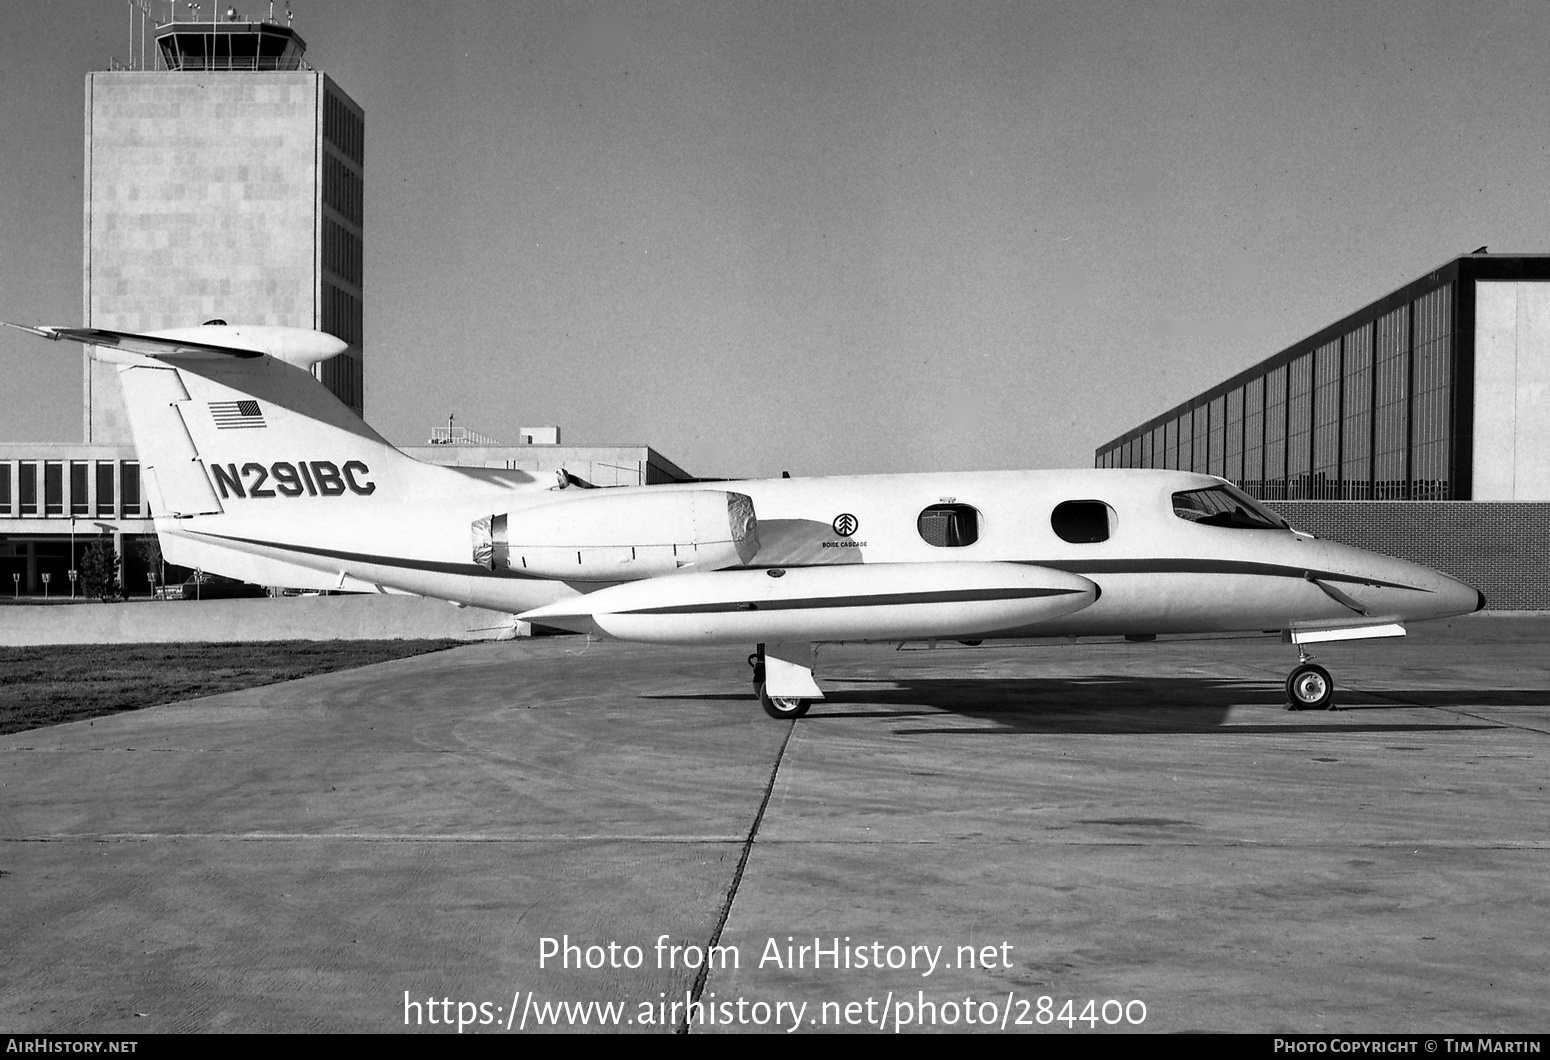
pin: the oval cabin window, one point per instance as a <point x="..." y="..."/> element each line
<point x="949" y="525"/>
<point x="1081" y="522"/>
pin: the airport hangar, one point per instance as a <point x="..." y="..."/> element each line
<point x="224" y="178"/>
<point x="1418" y="426"/>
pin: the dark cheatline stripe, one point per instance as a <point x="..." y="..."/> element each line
<point x="1084" y="567"/>
<point x="1207" y="566"/>
<point x="472" y="569"/>
<point x="940" y="596"/>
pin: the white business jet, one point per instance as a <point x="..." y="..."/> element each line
<point x="255" y="471"/>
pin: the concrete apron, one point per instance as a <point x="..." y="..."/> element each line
<point x="1107" y="822"/>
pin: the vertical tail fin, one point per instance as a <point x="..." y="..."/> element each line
<point x="253" y="469"/>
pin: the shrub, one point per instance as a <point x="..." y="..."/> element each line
<point x="99" y="571"/>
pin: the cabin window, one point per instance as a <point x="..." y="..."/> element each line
<point x="1224" y="505"/>
<point x="949" y="525"/>
<point x="1081" y="522"/>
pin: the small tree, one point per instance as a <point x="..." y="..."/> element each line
<point x="150" y="553"/>
<point x="99" y="571"/>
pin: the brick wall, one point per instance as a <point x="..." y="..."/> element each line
<point x="1503" y="549"/>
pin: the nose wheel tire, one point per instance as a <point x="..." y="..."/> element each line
<point x="1310" y="688"/>
<point x="783" y="706"/>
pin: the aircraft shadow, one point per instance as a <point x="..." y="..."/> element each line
<point x="1121" y="705"/>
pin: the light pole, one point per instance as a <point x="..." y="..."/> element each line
<point x="72" y="557"/>
<point x="72" y="584"/>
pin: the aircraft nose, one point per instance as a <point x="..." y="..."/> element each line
<point x="1407" y="590"/>
<point x="1457" y="598"/>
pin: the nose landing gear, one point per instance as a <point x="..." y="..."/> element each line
<point x="1309" y="686"/>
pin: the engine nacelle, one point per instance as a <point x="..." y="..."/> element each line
<point x="618" y="537"/>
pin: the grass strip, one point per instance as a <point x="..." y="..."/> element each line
<point x="50" y="685"/>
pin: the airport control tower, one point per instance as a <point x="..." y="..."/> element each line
<point x="226" y="183"/>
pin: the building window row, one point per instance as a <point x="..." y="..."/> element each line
<point x="344" y="129"/>
<point x="343" y="375"/>
<point x="343" y="189"/>
<point x="111" y="490"/>
<point x="342" y="252"/>
<point x="343" y="378"/>
<point x="1365" y="416"/>
<point x="341" y="314"/>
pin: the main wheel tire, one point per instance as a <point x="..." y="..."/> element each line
<point x="1310" y="688"/>
<point x="784" y="707"/>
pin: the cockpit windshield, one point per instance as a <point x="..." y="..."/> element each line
<point x="1225" y="505"/>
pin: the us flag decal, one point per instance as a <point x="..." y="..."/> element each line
<point x="234" y="415"/>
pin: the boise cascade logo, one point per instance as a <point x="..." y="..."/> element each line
<point x="845" y="524"/>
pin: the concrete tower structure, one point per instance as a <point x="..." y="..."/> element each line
<point x="226" y="186"/>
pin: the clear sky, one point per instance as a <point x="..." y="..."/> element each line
<point x="839" y="236"/>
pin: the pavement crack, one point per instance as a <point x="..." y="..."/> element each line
<point x="737" y="879"/>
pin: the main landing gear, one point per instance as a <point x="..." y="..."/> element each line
<point x="783" y="706"/>
<point x="783" y="679"/>
<point x="1309" y="687"/>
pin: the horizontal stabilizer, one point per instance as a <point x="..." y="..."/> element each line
<point x="298" y="346"/>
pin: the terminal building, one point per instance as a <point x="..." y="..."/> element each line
<point x="1418" y="426"/>
<point x="225" y="181"/>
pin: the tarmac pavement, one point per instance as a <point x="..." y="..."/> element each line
<point x="1128" y="824"/>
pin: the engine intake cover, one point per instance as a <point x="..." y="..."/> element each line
<point x="620" y="537"/>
